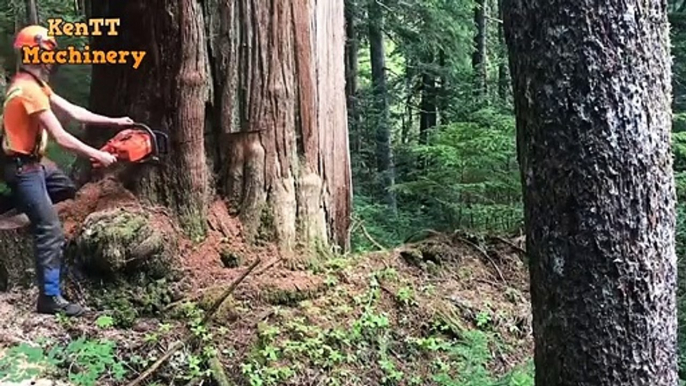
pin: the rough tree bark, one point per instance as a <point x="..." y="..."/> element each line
<point x="266" y="87"/>
<point x="479" y="54"/>
<point x="280" y="71"/>
<point x="168" y="92"/>
<point x="592" y="97"/>
<point x="381" y="121"/>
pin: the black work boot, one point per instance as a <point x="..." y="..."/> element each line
<point x="58" y="304"/>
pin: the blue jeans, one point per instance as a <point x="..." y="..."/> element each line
<point x="35" y="188"/>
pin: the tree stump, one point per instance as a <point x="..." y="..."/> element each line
<point x="16" y="253"/>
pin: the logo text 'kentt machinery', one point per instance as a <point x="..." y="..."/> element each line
<point x="73" y="55"/>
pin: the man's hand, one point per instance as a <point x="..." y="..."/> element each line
<point x="124" y="121"/>
<point x="104" y="159"/>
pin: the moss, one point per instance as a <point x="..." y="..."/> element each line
<point x="229" y="258"/>
<point x="290" y="296"/>
<point x="126" y="301"/>
<point x="227" y="312"/>
<point x="116" y="243"/>
<point x="266" y="231"/>
<point x="194" y="225"/>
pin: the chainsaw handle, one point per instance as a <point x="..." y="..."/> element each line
<point x="159" y="139"/>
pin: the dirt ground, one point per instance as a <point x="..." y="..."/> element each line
<point x="451" y="277"/>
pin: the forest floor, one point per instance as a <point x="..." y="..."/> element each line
<point x="447" y="310"/>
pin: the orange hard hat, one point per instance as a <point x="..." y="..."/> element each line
<point x="35" y="35"/>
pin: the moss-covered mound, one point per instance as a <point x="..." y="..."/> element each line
<point x="117" y="241"/>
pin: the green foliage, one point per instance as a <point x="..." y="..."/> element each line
<point x="371" y="346"/>
<point x="472" y="177"/>
<point x="470" y="181"/>
<point x="85" y="362"/>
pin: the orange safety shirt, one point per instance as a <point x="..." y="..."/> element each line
<point x="22" y="132"/>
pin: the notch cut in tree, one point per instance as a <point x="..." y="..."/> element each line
<point x="592" y="88"/>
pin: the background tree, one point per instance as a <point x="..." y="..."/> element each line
<point x="599" y="190"/>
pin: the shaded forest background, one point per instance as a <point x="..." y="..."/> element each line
<point x="431" y="122"/>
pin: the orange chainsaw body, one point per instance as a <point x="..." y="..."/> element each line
<point x="137" y="144"/>
<point x="130" y="145"/>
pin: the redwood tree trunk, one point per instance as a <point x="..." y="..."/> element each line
<point x="284" y="128"/>
<point x="168" y="92"/>
<point x="267" y="89"/>
<point x="592" y="97"/>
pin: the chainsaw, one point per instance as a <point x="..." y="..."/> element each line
<point x="138" y="144"/>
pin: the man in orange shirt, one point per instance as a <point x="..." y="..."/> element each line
<point x="27" y="119"/>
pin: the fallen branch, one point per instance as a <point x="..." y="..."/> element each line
<point x="218" y="372"/>
<point x="229" y="291"/>
<point x="370" y="238"/>
<point x="510" y="243"/>
<point x="268" y="266"/>
<point x="483" y="252"/>
<point x="174" y="348"/>
<point x="214" y="287"/>
<point x="188" y="339"/>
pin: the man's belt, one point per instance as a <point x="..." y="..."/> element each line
<point x="21" y="159"/>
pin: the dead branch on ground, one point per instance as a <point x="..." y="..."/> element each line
<point x="189" y="338"/>
<point x="510" y="243"/>
<point x="485" y="254"/>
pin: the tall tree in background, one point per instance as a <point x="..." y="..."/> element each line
<point x="31" y="11"/>
<point x="382" y="125"/>
<point x="351" y="71"/>
<point x="593" y="126"/>
<point x="428" y="109"/>
<point x="503" y="78"/>
<point x="479" y="55"/>
<point x="256" y="110"/>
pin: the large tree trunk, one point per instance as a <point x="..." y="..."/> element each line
<point x="381" y="113"/>
<point x="281" y="67"/>
<point x="592" y="91"/>
<point x="268" y="84"/>
<point x="168" y="92"/>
